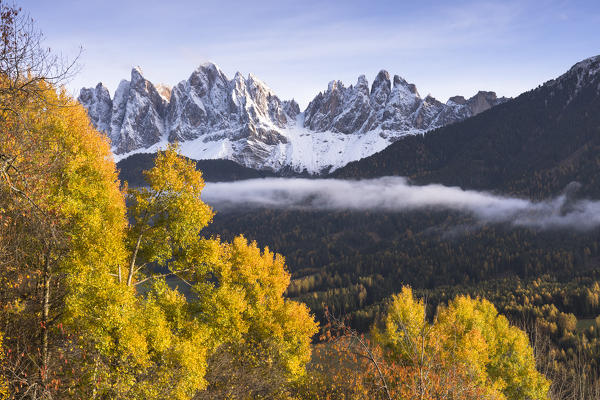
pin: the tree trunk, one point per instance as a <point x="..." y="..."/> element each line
<point x="132" y="264"/>
<point x="45" y="318"/>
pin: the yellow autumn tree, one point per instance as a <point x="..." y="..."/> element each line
<point x="85" y="334"/>
<point x="497" y="355"/>
<point x="64" y="216"/>
<point x="265" y="338"/>
<point x="235" y="290"/>
<point x="405" y="329"/>
<point x="471" y="350"/>
<point x="413" y="349"/>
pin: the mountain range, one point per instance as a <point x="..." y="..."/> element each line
<point x="243" y="120"/>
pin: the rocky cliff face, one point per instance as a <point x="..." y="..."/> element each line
<point x="99" y="106"/>
<point x="208" y="103"/>
<point x="397" y="107"/>
<point x="243" y="120"/>
<point x="139" y="113"/>
<point x="134" y="119"/>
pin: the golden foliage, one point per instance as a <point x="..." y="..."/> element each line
<point x="468" y="342"/>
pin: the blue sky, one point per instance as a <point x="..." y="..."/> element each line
<point x="297" y="47"/>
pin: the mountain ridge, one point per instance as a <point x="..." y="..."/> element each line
<point x="533" y="145"/>
<point x="243" y="120"/>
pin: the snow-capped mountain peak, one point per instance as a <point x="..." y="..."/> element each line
<point x="242" y="119"/>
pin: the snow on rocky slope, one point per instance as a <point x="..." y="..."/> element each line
<point x="242" y="119"/>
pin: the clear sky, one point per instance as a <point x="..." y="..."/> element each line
<point x="444" y="47"/>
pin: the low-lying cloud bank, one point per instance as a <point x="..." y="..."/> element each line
<point x="396" y="194"/>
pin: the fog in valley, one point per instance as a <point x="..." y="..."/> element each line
<point x="397" y="194"/>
